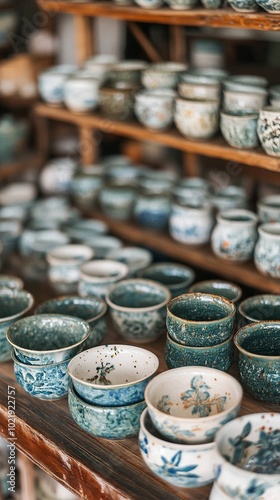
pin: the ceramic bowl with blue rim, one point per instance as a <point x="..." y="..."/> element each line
<point x="189" y="404"/>
<point x="258" y="346"/>
<point x="112" y="375"/>
<point x="11" y="282"/>
<point x="136" y="258"/>
<point x="48" y="381"/>
<point x="47" y="338"/>
<point x="218" y="356"/>
<point x="98" y="276"/>
<point x="182" y="465"/>
<point x="138" y="309"/>
<point x="90" y="309"/>
<point x="248" y="449"/>
<point x="110" y="422"/>
<point x="14" y="304"/>
<point x="200" y="319"/>
<point x="259" y="308"/>
<point x="176" y="277"/>
<point x="225" y="289"/>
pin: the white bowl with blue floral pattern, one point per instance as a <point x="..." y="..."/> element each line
<point x="112" y="375"/>
<point x="183" y="465"/>
<point x="189" y="404"/>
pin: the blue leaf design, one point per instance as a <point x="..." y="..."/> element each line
<point x="202" y="396"/>
<point x="195" y="383"/>
<point x="188" y="468"/>
<point x="177" y="458"/>
<point x="187" y="395"/>
<point x="246" y="431"/>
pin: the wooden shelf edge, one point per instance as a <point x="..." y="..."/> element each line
<point x="218" y="18"/>
<point x="216" y="147"/>
<point x="30" y="160"/>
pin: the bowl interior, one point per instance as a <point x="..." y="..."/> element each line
<point x="168" y="274"/>
<point x="261" y="308"/>
<point x="261" y="339"/>
<point x="86" y="308"/>
<point x="222" y="288"/>
<point x="137" y="294"/>
<point x="13" y="302"/>
<point x="201" y="307"/>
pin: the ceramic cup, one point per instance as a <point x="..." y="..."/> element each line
<point x="269" y="209"/>
<point x="239" y="128"/>
<point x="97" y="276"/>
<point x="176" y="277"/>
<point x="191" y="223"/>
<point x="154" y="108"/>
<point x="81" y="93"/>
<point x="267" y="250"/>
<point x="259" y="308"/>
<point x="163" y="75"/>
<point x="197" y="119"/>
<point x="117" y="101"/>
<point x="253" y="98"/>
<point x="225" y="289"/>
<point x="268" y="129"/>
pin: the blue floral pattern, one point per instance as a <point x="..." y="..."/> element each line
<point x="199" y="398"/>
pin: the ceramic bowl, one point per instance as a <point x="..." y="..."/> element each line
<point x="99" y="65"/>
<point x="97" y="276"/>
<point x="81" y="229"/>
<point x="117" y="201"/>
<point x="152" y="210"/>
<point x="154" y="108"/>
<point x="237" y="100"/>
<point x="212" y="4"/>
<point x="10" y="231"/>
<point x="51" y="83"/>
<point x="136" y="258"/>
<point x="86" y="184"/>
<point x="259" y="359"/>
<point x="271" y="6"/>
<point x="267" y="250"/>
<point x="110" y="422"/>
<point x="56" y="176"/>
<point x="11" y="282"/>
<point x="116" y="160"/>
<point x="243" y="5"/>
<point x="218" y="356"/>
<point x="128" y="71"/>
<point x="241" y="81"/>
<point x="182" y="465"/>
<point x="249" y="448"/>
<point x="176" y="277"/>
<point x="90" y="309"/>
<point x="197" y="119"/>
<point x="112" y="375"/>
<point x="193" y="86"/>
<point x="191" y="223"/>
<point x="189" y="404"/>
<point x="47" y="338"/>
<point x="190" y="190"/>
<point x="14" y="304"/>
<point x="239" y="128"/>
<point x="163" y="75"/>
<point x="216" y="73"/>
<point x="122" y="175"/>
<point x="19" y="194"/>
<point x="48" y="381"/>
<point x="269" y="130"/>
<point x="200" y="319"/>
<point x="229" y="197"/>
<point x="225" y="289"/>
<point x="138" y="309"/>
<point x="64" y="264"/>
<point x="117" y="101"/>
<point x="18" y="212"/>
<point x="269" y="209"/>
<point x="81" y="92"/>
<point x="259" y="308"/>
<point x="103" y="244"/>
<point x="149" y="4"/>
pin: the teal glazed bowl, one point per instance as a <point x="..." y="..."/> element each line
<point x="200" y="319"/>
<point x="47" y="338"/>
<point x="90" y="309"/>
<point x="259" y="308"/>
<point x="111" y="422"/>
<point x="258" y="345"/>
<point x="11" y="282"/>
<point x="225" y="289"/>
<point x="176" y="277"/>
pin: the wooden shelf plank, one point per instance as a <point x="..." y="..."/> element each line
<point x="217" y="18"/>
<point x="216" y="148"/>
<point x="10" y="169"/>
<point x="199" y="256"/>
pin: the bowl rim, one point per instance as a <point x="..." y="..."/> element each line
<point x="30" y="304"/>
<point x="226" y="301"/>
<point x="213" y="347"/>
<point x="113" y="386"/>
<point x="58" y="254"/>
<point x="179" y="267"/>
<point x="154" y="284"/>
<point x="251" y="299"/>
<point x="218" y="281"/>
<point x="36" y="367"/>
<point x="99" y="408"/>
<point x="255" y="325"/>
<point x="122" y="270"/>
<point x="61" y="298"/>
<point x="12" y="278"/>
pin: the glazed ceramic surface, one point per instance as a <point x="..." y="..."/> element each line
<point x="90" y="309"/>
<point x="117" y="101"/>
<point x="113" y="375"/>
<point x="243" y="5"/>
<point x="192" y="86"/>
<point x="239" y="128"/>
<point x="189" y="404"/>
<point x="267" y="250"/>
<point x="128" y="71"/>
<point x="99" y="65"/>
<point x="212" y="4"/>
<point x="259" y="308"/>
<point x="235" y="235"/>
<point x="149" y="4"/>
<point x="102" y="244"/>
<point x="117" y="201"/>
<point x="197" y="119"/>
<point x="229" y="197"/>
<point x="51" y="83"/>
<point x="85" y="185"/>
<point x="269" y="208"/>
<point x="200" y="319"/>
<point x="238" y="81"/>
<point x="152" y="210"/>
<point x="218" y="356"/>
<point x="163" y="75"/>
<point x="236" y="100"/>
<point x="269" y="130"/>
<point x="225" y="289"/>
<point x="190" y="223"/>
<point x="47" y="338"/>
<point x="259" y="359"/>
<point x="271" y="6"/>
<point x="79" y="230"/>
<point x="115" y="422"/>
<point x="176" y="277"/>
<point x="10" y="230"/>
<point x="138" y="309"/>
<point x="136" y="258"/>
<point x="189" y="189"/>
<point x="14" y="303"/>
<point x="98" y="276"/>
<point x="81" y="92"/>
<point x="249" y="449"/>
<point x="181" y="4"/>
<point x="35" y="243"/>
<point x="182" y="465"/>
<point x="154" y="108"/>
<point x="11" y="282"/>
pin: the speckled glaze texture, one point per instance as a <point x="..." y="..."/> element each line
<point x="235" y="234"/>
<point x="197" y="119"/>
<point x="259" y="308"/>
<point x="116" y="422"/>
<point x="259" y="359"/>
<point x="152" y="211"/>
<point x="13" y="305"/>
<point x="138" y="309"/>
<point x="268" y="128"/>
<point x="200" y="319"/>
<point x="190" y="224"/>
<point x="47" y="338"/>
<point x="219" y="356"/>
<point x="272" y="6"/>
<point x="243" y="5"/>
<point x="176" y="277"/>
<point x="182" y="465"/>
<point x="112" y="375"/>
<point x="248" y="448"/>
<point x="267" y="250"/>
<point x="163" y="75"/>
<point x="269" y="209"/>
<point x="43" y="381"/>
<point x="155" y="110"/>
<point x="189" y="404"/>
<point x="117" y="103"/>
<point x="117" y="202"/>
<point x="90" y="309"/>
<point x="239" y="130"/>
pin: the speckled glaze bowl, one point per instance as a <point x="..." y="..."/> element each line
<point x="128" y="71"/>
<point x="102" y="244"/>
<point x="239" y="128"/>
<point x="47" y="381"/>
<point x="112" y="375"/>
<point x="271" y="6"/>
<point x="240" y="82"/>
<point x="197" y="119"/>
<point x="176" y="277"/>
<point x="163" y="75"/>
<point x="11" y="282"/>
<point x="97" y="276"/>
<point x="138" y="309"/>
<point x="269" y="208"/>
<point x="181" y="4"/>
<point x="235" y="235"/>
<point x="218" y="356"/>
<point x="47" y="338"/>
<point x="268" y="129"/>
<point x="259" y="308"/>
<point x="259" y="359"/>
<point x="117" y="201"/>
<point x="117" y="101"/>
<point x="154" y="108"/>
<point x="90" y="309"/>
<point x="248" y="448"/>
<point x="225" y="289"/>
<point x="110" y="422"/>
<point x="14" y="304"/>
<point x="189" y="404"/>
<point x="200" y="319"/>
<point x="267" y="250"/>
<point x="191" y="223"/>
<point x="136" y="258"/>
<point x="182" y="465"/>
<point x="243" y="5"/>
<point x="190" y="189"/>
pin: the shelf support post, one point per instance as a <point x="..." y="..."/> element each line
<point x="177" y="44"/>
<point x="144" y="42"/>
<point x="89" y="146"/>
<point x="84" y="38"/>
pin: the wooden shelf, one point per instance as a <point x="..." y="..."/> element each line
<point x="29" y="160"/>
<point x="216" y="148"/>
<point x="218" y="18"/>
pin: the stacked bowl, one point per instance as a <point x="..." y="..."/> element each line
<point x="106" y="395"/>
